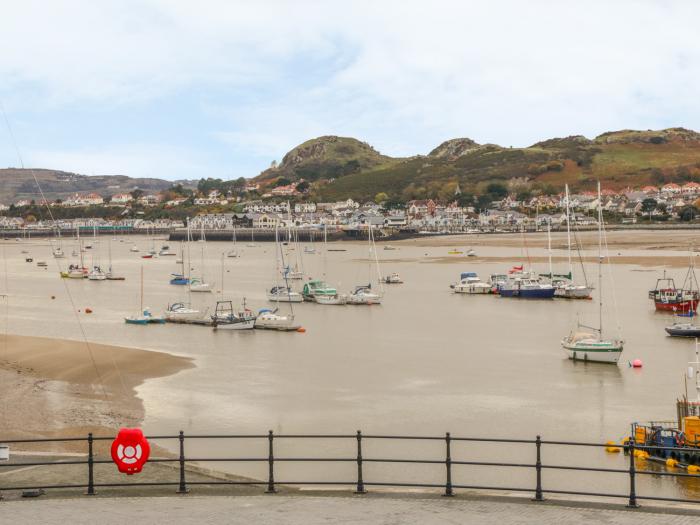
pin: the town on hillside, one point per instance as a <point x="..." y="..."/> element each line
<point x="289" y="206"/>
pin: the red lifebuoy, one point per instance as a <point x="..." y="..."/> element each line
<point x="130" y="450"/>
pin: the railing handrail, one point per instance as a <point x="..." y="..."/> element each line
<point x="630" y="447"/>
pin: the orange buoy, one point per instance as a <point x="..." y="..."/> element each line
<point x="301" y="330"/>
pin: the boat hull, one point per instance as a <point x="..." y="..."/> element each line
<point x="679" y="332"/>
<point x="245" y="324"/>
<point x="472" y="289"/>
<point x="542" y="293"/>
<point x="287" y="298"/>
<point x="609" y="354"/>
<point x="676" y="306"/>
<point x="576" y="292"/>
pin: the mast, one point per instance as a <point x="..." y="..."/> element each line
<point x="141" y="289"/>
<point x="568" y="232"/>
<point x="549" y="248"/>
<point x="222" y="276"/>
<point x="189" y="265"/>
<point x="600" y="265"/>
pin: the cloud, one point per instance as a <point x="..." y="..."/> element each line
<point x="264" y="76"/>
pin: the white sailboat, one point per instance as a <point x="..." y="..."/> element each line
<point x="586" y="343"/>
<point x="233" y="252"/>
<point x="364" y="294"/>
<point x="180" y="311"/>
<point x="111" y="276"/>
<point x="199" y="284"/>
<point x="565" y="286"/>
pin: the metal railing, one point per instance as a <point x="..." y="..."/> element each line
<point x="360" y="484"/>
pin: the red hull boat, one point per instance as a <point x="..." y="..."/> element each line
<point x="668" y="298"/>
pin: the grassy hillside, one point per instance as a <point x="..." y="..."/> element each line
<point x="619" y="159"/>
<point x="19" y="184"/>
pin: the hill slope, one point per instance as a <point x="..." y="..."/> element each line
<point x="344" y="167"/>
<point x="18" y="183"/>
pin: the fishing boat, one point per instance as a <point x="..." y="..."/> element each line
<point x="225" y="318"/>
<point x="96" y="274"/>
<point x="674" y="443"/>
<point x="469" y="283"/>
<point x="364" y="295"/>
<point x="392" y="278"/>
<point x="589" y="344"/>
<point x="145" y="316"/>
<point x="272" y="320"/>
<point x="668" y="298"/>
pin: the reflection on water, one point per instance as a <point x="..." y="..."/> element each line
<point x="424" y="362"/>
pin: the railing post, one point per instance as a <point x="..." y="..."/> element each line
<point x="360" y="481"/>
<point x="271" y="464"/>
<point x="448" y="465"/>
<point x="91" y="466"/>
<point x="538" y="469"/>
<point x="633" y="469"/>
<point x="182" y="487"/>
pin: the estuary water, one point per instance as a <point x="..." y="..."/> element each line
<point x="424" y="362"/>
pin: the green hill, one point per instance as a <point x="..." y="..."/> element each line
<point x="344" y="167"/>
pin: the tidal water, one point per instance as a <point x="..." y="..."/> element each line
<point x="424" y="362"/>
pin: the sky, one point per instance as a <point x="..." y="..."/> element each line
<point x="179" y="89"/>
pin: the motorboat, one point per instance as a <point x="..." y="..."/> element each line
<point x="392" y="278"/>
<point x="225" y="318"/>
<point x="292" y="273"/>
<point x="470" y="283"/>
<point x="471" y="253"/>
<point x="182" y="312"/>
<point x="364" y="295"/>
<point x="315" y="288"/>
<point x="134" y="249"/>
<point x="284" y="294"/>
<point x="58" y="253"/>
<point x="526" y="288"/>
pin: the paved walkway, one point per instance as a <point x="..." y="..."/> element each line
<point x="312" y="510"/>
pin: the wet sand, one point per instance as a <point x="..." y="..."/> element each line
<point x="71" y="387"/>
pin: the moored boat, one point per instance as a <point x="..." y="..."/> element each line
<point x="526" y="288"/>
<point x="392" y="278"/>
<point x="271" y="320"/>
<point x="470" y="283"/>
<point x="284" y="294"/>
<point x="668" y="298"/>
<point x="315" y="288"/>
<point x="182" y="312"/>
<point x="225" y="318"/>
<point x="681" y="329"/>
<point x="364" y="295"/>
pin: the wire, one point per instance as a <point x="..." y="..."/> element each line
<point x="53" y="221"/>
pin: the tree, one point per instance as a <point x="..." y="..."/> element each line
<point x="282" y="181"/>
<point x="380" y="197"/>
<point x="465" y="199"/>
<point x="496" y="190"/>
<point x="688" y="213"/>
<point x="302" y="186"/>
<point x="137" y="193"/>
<point x="649" y="205"/>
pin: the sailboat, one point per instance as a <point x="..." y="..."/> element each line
<point x="272" y="319"/>
<point x="589" y="344"/>
<point x="144" y="316"/>
<point x="319" y="291"/>
<point x="58" y="251"/>
<point x="282" y="293"/>
<point x="233" y="252"/>
<point x="252" y="239"/>
<point x="198" y="284"/>
<point x="181" y="312"/>
<point x="565" y="286"/>
<point x="111" y="276"/>
<point x="179" y="279"/>
<point x="364" y="294"/>
<point x="310" y="249"/>
<point x="77" y="271"/>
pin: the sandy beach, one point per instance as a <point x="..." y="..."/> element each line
<point x="53" y="387"/>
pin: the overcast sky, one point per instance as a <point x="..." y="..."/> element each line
<point x="183" y="89"/>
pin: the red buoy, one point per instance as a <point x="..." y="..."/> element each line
<point x="637" y="363"/>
